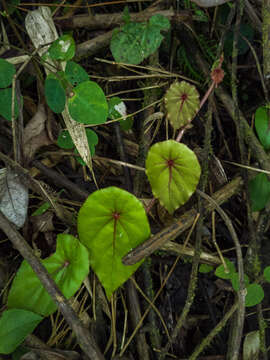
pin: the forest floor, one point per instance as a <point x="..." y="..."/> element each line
<point x="176" y="305"/>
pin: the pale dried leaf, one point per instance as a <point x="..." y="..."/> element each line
<point x="14" y="201"/>
<point x="35" y="134"/>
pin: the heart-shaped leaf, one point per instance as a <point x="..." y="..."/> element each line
<point x="68" y="266"/>
<point x="15" y="325"/>
<point x="6" y="104"/>
<point x="173" y="171"/>
<point x="62" y="49"/>
<point x="259" y="189"/>
<point x="255" y="295"/>
<point x="182" y="103"/>
<point x="75" y="74"/>
<point x="262" y="125"/>
<point x="64" y="140"/>
<point x="110" y="223"/>
<point x="88" y="105"/>
<point x="136" y="41"/>
<point x="7" y="71"/>
<point x="55" y="94"/>
<point x="223" y="273"/>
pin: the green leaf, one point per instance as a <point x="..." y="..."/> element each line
<point x="255" y="295"/>
<point x="111" y="222"/>
<point x="259" y="189"/>
<point x="136" y="41"/>
<point x="182" y="103"/>
<point x="7" y="71"/>
<point x="173" y="171"/>
<point x="6" y="103"/>
<point x="62" y="49"/>
<point x="266" y="273"/>
<point x="205" y="268"/>
<point x="64" y="140"/>
<point x="117" y="109"/>
<point x="75" y="74"/>
<point x="221" y="273"/>
<point x="251" y="346"/>
<point x="262" y="125"/>
<point x="247" y="31"/>
<point x="68" y="266"/>
<point x="42" y="209"/>
<point x="89" y="104"/>
<point x="236" y="283"/>
<point x="55" y="94"/>
<point x="15" y="325"/>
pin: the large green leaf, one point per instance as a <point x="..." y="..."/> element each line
<point x="173" y="171"/>
<point x="182" y="103"/>
<point x="15" y="325"/>
<point x="7" y="71"/>
<point x="68" y="266"/>
<point x="259" y="189"/>
<point x="262" y="125"/>
<point x="88" y="105"/>
<point x="110" y="223"/>
<point x="63" y="48"/>
<point x="6" y="103"/>
<point x="55" y="94"/>
<point x="136" y="41"/>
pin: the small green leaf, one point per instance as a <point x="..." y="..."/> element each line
<point x="75" y="74"/>
<point x="136" y="41"/>
<point x="55" y="94"/>
<point x="110" y="223"/>
<point x="262" y="125"/>
<point x="7" y="71"/>
<point x="89" y="104"/>
<point x="63" y="48"/>
<point x="117" y="109"/>
<point x="236" y="283"/>
<point x="182" y="103"/>
<point x="266" y="273"/>
<point x="42" y="209"/>
<point x="173" y="171"/>
<point x="259" y="189"/>
<point x="115" y="106"/>
<point x="6" y="104"/>
<point x="222" y="273"/>
<point x="68" y="266"/>
<point x="255" y="295"/>
<point x="64" y="140"/>
<point x="15" y="325"/>
<point x="205" y="268"/>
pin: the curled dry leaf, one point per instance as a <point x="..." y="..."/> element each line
<point x="35" y="134"/>
<point x="13" y="197"/>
